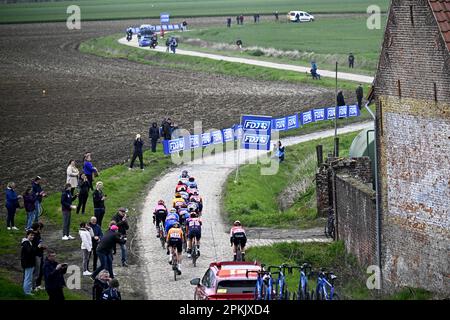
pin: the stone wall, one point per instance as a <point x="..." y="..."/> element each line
<point x="355" y="167"/>
<point x="356" y="218"/>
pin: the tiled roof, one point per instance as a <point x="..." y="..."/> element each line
<point x="441" y="10"/>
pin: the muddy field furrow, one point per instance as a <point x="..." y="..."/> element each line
<point x="98" y="104"/>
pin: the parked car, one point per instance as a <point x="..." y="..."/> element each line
<point x="227" y="281"/>
<point x="299" y="16"/>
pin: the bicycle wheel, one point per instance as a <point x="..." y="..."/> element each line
<point x="301" y="295"/>
<point x="294" y="296"/>
<point x="238" y="253"/>
<point x="336" y="296"/>
<point x="194" y="254"/>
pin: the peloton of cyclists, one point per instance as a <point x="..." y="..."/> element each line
<point x="237" y="236"/>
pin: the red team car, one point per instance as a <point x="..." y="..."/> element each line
<point x="227" y="281"/>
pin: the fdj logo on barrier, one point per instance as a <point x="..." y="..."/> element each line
<point x="176" y="145"/>
<point x="256" y="124"/>
<point x="255" y="139"/>
<point x="280" y="124"/>
<point x="292" y="122"/>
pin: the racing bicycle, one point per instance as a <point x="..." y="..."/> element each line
<point x="302" y="290"/>
<point x="162" y="234"/>
<point x="325" y="286"/>
<point x="194" y="253"/>
<point x="281" y="292"/>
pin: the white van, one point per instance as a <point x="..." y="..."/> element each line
<point x="299" y="16"/>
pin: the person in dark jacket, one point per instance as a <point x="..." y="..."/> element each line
<point x="105" y="248"/>
<point x="138" y="143"/>
<point x="112" y="293"/>
<point x="228" y="22"/>
<point x="12" y="203"/>
<point x="29" y="202"/>
<point x="121" y="222"/>
<point x="98" y="235"/>
<point x="88" y="169"/>
<point x="351" y="60"/>
<point x="66" y="206"/>
<point x="54" y="277"/>
<point x="153" y="134"/>
<point x="359" y="96"/>
<point x="83" y="194"/>
<point x="40" y="194"/>
<point x="167" y="129"/>
<point x="39" y="248"/>
<point x="99" y="202"/>
<point x="340" y="99"/>
<point x="27" y="260"/>
<point x="100" y="285"/>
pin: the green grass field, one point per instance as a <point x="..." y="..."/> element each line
<point x="326" y="40"/>
<point x="108" y="47"/>
<point x="120" y="9"/>
<point x="261" y="207"/>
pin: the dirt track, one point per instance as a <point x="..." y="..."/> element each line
<point x="98" y="104"/>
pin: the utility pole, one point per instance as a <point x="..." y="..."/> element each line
<point x="336" y="113"/>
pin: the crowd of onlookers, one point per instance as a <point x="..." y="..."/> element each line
<point x="98" y="242"/>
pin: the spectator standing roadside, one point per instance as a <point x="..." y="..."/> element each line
<point x="97" y="236"/>
<point x="340" y="99"/>
<point x="238" y="20"/>
<point x="228" y="22"/>
<point x="86" y="247"/>
<point x="27" y="260"/>
<point x="100" y="285"/>
<point x="153" y="135"/>
<point x="40" y="194"/>
<point x="54" y="277"/>
<point x="359" y="95"/>
<point x="351" y="60"/>
<point x="72" y="176"/>
<point x="39" y="249"/>
<point x="167" y="129"/>
<point x="66" y="206"/>
<point x="137" y="145"/>
<point x="112" y="293"/>
<point x="83" y="193"/>
<point x="276" y="15"/>
<point x="122" y="223"/>
<point x="255" y="17"/>
<point x="184" y="24"/>
<point x="29" y="202"/>
<point x="12" y="203"/>
<point x="279" y="151"/>
<point x="105" y="248"/>
<point x="241" y="17"/>
<point x="99" y="202"/>
<point x="89" y="170"/>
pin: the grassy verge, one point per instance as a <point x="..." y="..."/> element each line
<point x="108" y="47"/>
<point x="262" y="207"/>
<point x="351" y="281"/>
<point x="123" y="187"/>
<point x="119" y="9"/>
<point x="325" y="40"/>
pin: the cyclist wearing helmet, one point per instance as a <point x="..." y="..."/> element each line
<point x="183" y="212"/>
<point x="191" y="183"/>
<point x="184" y="195"/>
<point x="159" y="215"/>
<point x="193" y="206"/>
<point x="175" y="242"/>
<point x="171" y="219"/>
<point x="196" y="198"/>
<point x="178" y="201"/>
<point x="237" y="236"/>
<point x="184" y="174"/>
<point x="181" y="186"/>
<point x="194" y="227"/>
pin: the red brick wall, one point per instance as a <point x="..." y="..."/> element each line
<point x="414" y="149"/>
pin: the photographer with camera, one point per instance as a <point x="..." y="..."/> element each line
<point x="121" y="221"/>
<point x="54" y="277"/>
